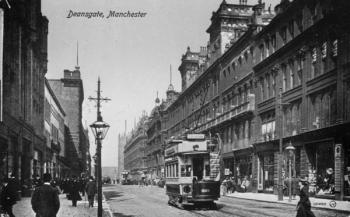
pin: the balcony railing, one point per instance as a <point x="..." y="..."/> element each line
<point x="232" y="113"/>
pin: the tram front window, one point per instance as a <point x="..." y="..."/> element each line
<point x="198" y="168"/>
<point x="186" y="170"/>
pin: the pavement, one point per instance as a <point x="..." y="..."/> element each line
<point x="23" y="208"/>
<point x="343" y="206"/>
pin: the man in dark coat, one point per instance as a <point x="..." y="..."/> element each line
<point x="74" y="192"/>
<point x="304" y="204"/>
<point x="45" y="200"/>
<point x="8" y="196"/>
<point x="91" y="191"/>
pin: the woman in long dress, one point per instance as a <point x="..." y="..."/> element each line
<point x="304" y="204"/>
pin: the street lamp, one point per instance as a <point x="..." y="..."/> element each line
<point x="290" y="149"/>
<point x="99" y="129"/>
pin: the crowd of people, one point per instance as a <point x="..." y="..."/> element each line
<point x="45" y="197"/>
<point x="231" y="184"/>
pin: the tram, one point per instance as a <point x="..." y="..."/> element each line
<point x="191" y="171"/>
<point x="125" y="178"/>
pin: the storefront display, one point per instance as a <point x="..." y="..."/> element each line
<point x="266" y="172"/>
<point x="321" y="170"/>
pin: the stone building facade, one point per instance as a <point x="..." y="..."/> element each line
<point x="278" y="76"/>
<point x="54" y="121"/>
<point x="134" y="151"/>
<point x="24" y="65"/>
<point x="301" y="88"/>
<point x="70" y="93"/>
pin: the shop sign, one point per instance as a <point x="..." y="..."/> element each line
<point x="337" y="150"/>
<point x="227" y="171"/>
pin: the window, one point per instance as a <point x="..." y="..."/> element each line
<point x="233" y="66"/>
<point x="267" y="45"/>
<point x="229" y="70"/>
<point x="274" y="77"/>
<point x="284" y="77"/>
<point x="335" y="48"/>
<point x="262" y="89"/>
<point x="299" y="22"/>
<point x="292" y="75"/>
<point x="261" y="52"/>
<point x="291" y="28"/>
<point x="273" y="43"/>
<point x="300" y="67"/>
<point x="313" y="63"/>
<point x="268" y="86"/>
<point x="283" y="34"/>
<point x="186" y="170"/>
<point x="268" y="126"/>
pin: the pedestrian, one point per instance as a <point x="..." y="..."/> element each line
<point x="304" y="204"/>
<point x="8" y="196"/>
<point x="45" y="200"/>
<point x="74" y="192"/>
<point x="91" y="191"/>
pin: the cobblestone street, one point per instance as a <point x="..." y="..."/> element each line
<point x="135" y="201"/>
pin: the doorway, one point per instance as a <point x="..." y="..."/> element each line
<point x="198" y="168"/>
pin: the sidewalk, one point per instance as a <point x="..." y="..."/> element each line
<point x="315" y="202"/>
<point x="23" y="208"/>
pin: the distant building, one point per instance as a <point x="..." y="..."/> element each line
<point x="134" y="150"/>
<point x="121" y="144"/>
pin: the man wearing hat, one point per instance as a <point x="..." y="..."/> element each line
<point x="304" y="204"/>
<point x="91" y="191"/>
<point x="8" y="196"/>
<point x="45" y="201"/>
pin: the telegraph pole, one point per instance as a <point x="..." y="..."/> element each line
<point x="279" y="110"/>
<point x="98" y="149"/>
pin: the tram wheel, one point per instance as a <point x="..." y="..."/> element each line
<point x="212" y="205"/>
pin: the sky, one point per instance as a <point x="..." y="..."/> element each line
<point x="132" y="56"/>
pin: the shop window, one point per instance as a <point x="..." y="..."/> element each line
<point x="321" y="168"/>
<point x="268" y="172"/>
<point x="347" y="172"/>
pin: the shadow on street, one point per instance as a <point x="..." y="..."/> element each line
<point x="121" y="215"/>
<point x="112" y="194"/>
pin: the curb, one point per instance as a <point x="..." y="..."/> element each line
<point x="289" y="204"/>
<point x="106" y="208"/>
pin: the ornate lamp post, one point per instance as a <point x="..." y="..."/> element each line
<point x="99" y="129"/>
<point x="290" y="149"/>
